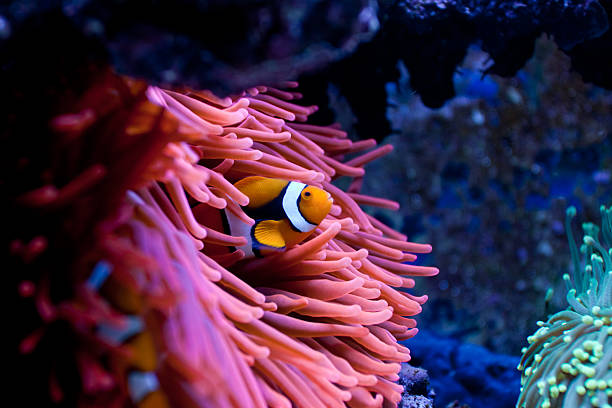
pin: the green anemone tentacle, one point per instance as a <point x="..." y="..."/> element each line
<point x="569" y="361"/>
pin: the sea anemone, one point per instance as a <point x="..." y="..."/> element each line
<point x="569" y="360"/>
<point x="156" y="317"/>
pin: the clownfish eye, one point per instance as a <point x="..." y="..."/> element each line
<point x="307" y="194"/>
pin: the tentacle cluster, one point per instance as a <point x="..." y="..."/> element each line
<point x="315" y="326"/>
<point x="569" y="360"/>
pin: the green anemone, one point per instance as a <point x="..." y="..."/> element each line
<point x="568" y="362"/>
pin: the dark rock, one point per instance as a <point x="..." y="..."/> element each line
<point x="593" y="58"/>
<point x="506" y="29"/>
<point x="224" y="46"/>
<point x="465" y="372"/>
<point x="415" y="401"/>
<point x="415" y="380"/>
<point x="417" y="392"/>
<point x="431" y="37"/>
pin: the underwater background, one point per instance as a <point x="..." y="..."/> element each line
<point x="499" y="114"/>
<point x="487" y="178"/>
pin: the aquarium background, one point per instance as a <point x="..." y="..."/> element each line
<point x="486" y="179"/>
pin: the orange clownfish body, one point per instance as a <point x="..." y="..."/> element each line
<point x="285" y="213"/>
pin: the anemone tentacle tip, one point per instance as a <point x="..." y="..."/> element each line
<point x="567" y="348"/>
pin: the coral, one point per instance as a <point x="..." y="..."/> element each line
<point x="416" y="401"/>
<point x="122" y="248"/>
<point x="417" y="392"/>
<point x="488" y="179"/>
<point x="569" y="360"/>
<point x="415" y="380"/>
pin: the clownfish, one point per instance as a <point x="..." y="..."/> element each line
<point x="285" y="213"/>
<point x="142" y="384"/>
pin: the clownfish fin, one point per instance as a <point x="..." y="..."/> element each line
<point x="268" y="233"/>
<point x="248" y="181"/>
<point x="260" y="190"/>
<point x="156" y="399"/>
